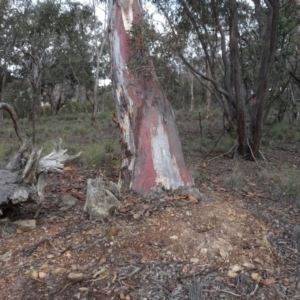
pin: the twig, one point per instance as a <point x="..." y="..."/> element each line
<point x="228" y="292"/>
<point x="200" y="124"/>
<point x="222" y="153"/>
<point x="262" y="155"/>
<point x="15" y="120"/>
<point x="253" y="292"/>
<point x="217" y="141"/>
<point x="222" y="291"/>
<point x="251" y="150"/>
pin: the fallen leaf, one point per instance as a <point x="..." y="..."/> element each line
<point x="236" y="268"/>
<point x="192" y="198"/>
<point x="114" y="277"/>
<point x="34" y="275"/>
<point x="122" y="295"/>
<point x="51" y="248"/>
<point x="136" y="216"/>
<point x="248" y="265"/>
<point x="269" y="281"/>
<point x="59" y="271"/>
<point x="102" y="260"/>
<point x="227" y="281"/>
<point x="256" y="277"/>
<point x="6" y="256"/>
<point x="42" y="275"/>
<point x="103" y="273"/>
<point x="258" y="260"/>
<point x="223" y="253"/>
<point x="285" y="281"/>
<point x="83" y="268"/>
<point x="174" y="237"/>
<point x="232" y="274"/>
<point x="75" y="276"/>
<point x="203" y="165"/>
<point x="78" y="195"/>
<point x="128" y="285"/>
<point x="113" y="231"/>
<point x="68" y="254"/>
<point x="68" y="168"/>
<point x="184" y="269"/>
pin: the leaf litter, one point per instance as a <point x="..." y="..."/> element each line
<point x="238" y="245"/>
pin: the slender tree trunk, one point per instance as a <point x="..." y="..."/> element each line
<point x="266" y="62"/>
<point x="98" y="55"/>
<point x="2" y="91"/>
<point x="237" y="85"/>
<point x="191" y="82"/>
<point x="151" y="149"/>
<point x="208" y="91"/>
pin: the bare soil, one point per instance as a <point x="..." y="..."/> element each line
<point x="237" y="245"/>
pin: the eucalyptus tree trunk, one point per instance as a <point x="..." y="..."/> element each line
<point x="191" y="82"/>
<point x="268" y="43"/>
<point x="208" y="91"/>
<point x="151" y="149"/>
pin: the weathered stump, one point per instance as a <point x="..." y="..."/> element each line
<point x="23" y="178"/>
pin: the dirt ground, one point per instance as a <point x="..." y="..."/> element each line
<point x="236" y="245"/>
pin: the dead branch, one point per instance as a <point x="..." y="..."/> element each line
<point x="14" y="118"/>
<point x="23" y="178"/>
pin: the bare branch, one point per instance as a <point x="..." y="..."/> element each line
<point x="14" y="118"/>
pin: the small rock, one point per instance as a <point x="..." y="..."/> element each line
<point x="25" y="225"/>
<point x="136" y="216"/>
<point x="75" y="276"/>
<point x="73" y="267"/>
<point x="174" y="237"/>
<point x="83" y="289"/>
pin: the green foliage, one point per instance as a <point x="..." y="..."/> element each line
<point x="97" y="155"/>
<point x="283" y="132"/>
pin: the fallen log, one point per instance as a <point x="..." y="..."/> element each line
<point x="23" y="178"/>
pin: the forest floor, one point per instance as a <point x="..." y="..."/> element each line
<point x="237" y="245"/>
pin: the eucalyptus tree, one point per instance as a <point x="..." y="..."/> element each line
<point x="230" y="38"/>
<point x="151" y="149"/>
<point x="8" y="36"/>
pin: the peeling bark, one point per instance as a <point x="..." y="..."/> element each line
<point x="151" y="149"/>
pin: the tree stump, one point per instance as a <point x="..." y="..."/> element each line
<point x="23" y="178"/>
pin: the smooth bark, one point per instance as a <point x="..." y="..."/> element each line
<point x="151" y="149"/>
